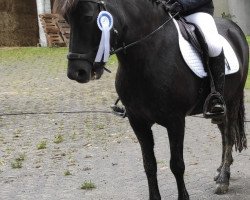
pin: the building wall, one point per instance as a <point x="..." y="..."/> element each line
<point x="238" y="9"/>
<point x="221" y="6"/>
<point x="18" y="23"/>
<point x="43" y="6"/>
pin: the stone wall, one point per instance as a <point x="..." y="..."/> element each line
<point x="18" y="23"/>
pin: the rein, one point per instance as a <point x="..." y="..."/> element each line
<point x="102" y="7"/>
<point x="123" y="48"/>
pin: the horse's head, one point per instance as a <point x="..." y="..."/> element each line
<point x="133" y="21"/>
<point x="85" y="37"/>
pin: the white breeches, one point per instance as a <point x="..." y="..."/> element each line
<point x="207" y="25"/>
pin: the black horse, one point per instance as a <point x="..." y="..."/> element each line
<point x="153" y="81"/>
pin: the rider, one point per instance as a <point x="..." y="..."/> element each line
<point x="200" y="12"/>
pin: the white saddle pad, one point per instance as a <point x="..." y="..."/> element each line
<point x="193" y="60"/>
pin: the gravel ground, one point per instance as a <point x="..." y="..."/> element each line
<point x="84" y="142"/>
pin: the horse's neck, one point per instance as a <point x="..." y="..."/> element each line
<point x="139" y="17"/>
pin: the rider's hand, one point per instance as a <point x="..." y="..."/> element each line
<point x="176" y="7"/>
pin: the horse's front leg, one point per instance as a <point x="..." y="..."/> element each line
<point x="176" y="128"/>
<point x="144" y="135"/>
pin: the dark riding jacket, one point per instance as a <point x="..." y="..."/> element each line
<point x="193" y="6"/>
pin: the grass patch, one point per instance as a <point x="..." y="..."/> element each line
<point x="162" y="162"/>
<point x="17" y="133"/>
<point x="33" y="53"/>
<point x="24" y="53"/>
<point x="100" y="126"/>
<point x="18" y="162"/>
<point x="53" y="60"/>
<point x="67" y="173"/>
<point x="42" y="145"/>
<point x="58" y="138"/>
<point x="21" y="157"/>
<point x="247" y="86"/>
<point x="248" y="39"/>
<point x="88" y="185"/>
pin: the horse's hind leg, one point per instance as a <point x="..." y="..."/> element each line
<point x="144" y="135"/>
<point x="176" y="137"/>
<point x="222" y="179"/>
<point x="232" y="132"/>
<point x="222" y="130"/>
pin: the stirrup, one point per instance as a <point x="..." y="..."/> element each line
<point x="209" y="111"/>
<point x="119" y="111"/>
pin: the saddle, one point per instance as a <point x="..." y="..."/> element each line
<point x="193" y="34"/>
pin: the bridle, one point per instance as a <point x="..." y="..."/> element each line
<point x="124" y="47"/>
<point x="87" y="56"/>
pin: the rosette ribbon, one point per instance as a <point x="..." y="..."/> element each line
<point x="105" y="23"/>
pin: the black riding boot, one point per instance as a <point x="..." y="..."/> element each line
<point x="217" y="106"/>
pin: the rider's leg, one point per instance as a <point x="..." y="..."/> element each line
<point x="207" y="25"/>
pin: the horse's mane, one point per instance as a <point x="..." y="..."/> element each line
<point x="64" y="7"/>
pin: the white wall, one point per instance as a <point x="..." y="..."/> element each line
<point x="43" y="6"/>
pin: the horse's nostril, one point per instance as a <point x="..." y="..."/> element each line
<point x="79" y="71"/>
<point x="71" y="76"/>
<point x="82" y="74"/>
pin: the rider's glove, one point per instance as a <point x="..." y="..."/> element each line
<point x="176" y="7"/>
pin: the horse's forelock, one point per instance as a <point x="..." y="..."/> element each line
<point x="64" y="7"/>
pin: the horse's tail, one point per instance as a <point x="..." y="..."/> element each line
<point x="240" y="139"/>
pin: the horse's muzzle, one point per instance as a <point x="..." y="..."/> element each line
<point x="83" y="71"/>
<point x="79" y="71"/>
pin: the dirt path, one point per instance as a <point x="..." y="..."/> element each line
<point x="92" y="144"/>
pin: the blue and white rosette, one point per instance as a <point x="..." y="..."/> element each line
<point x="105" y="23"/>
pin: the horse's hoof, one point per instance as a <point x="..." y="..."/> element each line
<point x="216" y="177"/>
<point x="221" y="189"/>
